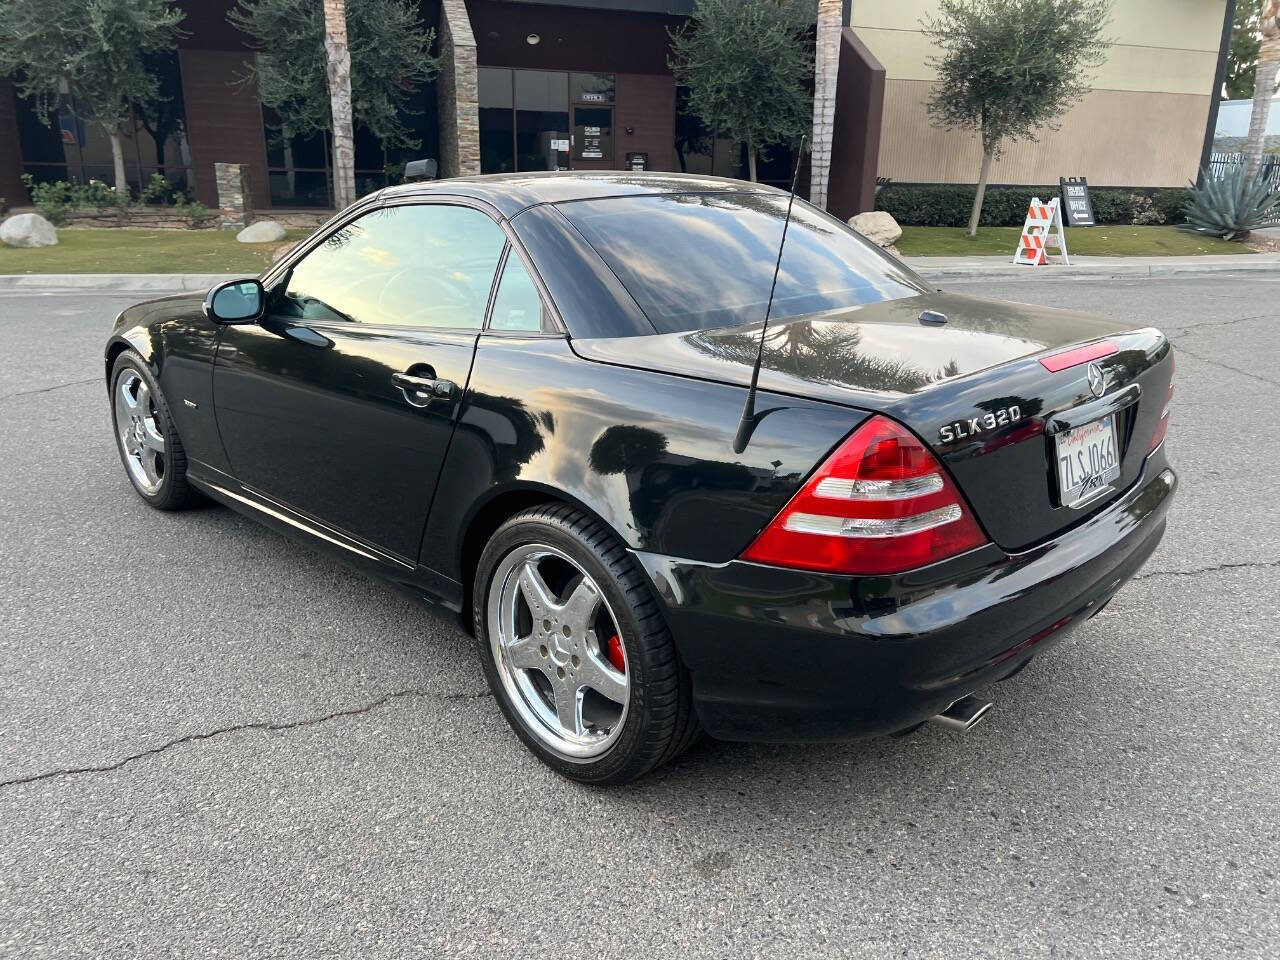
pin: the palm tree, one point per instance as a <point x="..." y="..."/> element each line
<point x="1264" y="85"/>
<point x="338" y="70"/>
<point x="826" y="62"/>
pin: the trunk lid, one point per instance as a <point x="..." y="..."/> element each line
<point x="972" y="388"/>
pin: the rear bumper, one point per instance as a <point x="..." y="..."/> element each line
<point x="787" y="655"/>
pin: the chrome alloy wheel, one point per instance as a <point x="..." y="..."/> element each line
<point x="558" y="650"/>
<point x="138" y="432"/>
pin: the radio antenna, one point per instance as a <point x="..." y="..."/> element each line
<point x="747" y="424"/>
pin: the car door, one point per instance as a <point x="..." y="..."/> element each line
<point x="340" y="403"/>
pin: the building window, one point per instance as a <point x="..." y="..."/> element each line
<point x="497" y="120"/>
<point x="529" y="118"/>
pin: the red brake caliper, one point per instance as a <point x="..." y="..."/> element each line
<point x="615" y="654"/>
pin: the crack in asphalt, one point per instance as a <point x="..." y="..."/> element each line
<point x="1226" y="366"/>
<point x="260" y="725"/>
<point x="1185" y="328"/>
<point x="1251" y="564"/>
<point x="56" y="386"/>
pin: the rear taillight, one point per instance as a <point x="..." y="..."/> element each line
<point x="882" y="503"/>
<point x="1162" y="427"/>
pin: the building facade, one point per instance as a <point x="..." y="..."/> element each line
<point x="585" y="84"/>
<point x="1142" y="124"/>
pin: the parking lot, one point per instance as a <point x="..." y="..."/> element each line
<point x="214" y="742"/>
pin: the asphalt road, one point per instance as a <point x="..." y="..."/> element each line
<point x="216" y="743"/>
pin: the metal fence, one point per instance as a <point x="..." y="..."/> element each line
<point x="1220" y="163"/>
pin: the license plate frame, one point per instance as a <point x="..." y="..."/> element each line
<point x="1080" y="456"/>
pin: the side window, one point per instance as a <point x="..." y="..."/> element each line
<point x="429" y="265"/>
<point x="517" y="305"/>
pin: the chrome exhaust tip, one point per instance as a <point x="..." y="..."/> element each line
<point x="965" y="714"/>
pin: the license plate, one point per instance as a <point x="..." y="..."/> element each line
<point x="1088" y="460"/>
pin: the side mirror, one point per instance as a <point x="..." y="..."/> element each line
<point x="239" y="301"/>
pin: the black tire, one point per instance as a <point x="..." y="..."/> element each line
<point x="173" y="491"/>
<point x="660" y="722"/>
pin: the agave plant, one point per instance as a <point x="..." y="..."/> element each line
<point x="1228" y="205"/>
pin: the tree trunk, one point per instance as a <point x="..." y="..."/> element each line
<point x="751" y="160"/>
<point x="988" y="153"/>
<point x="1264" y="87"/>
<point x="339" y="76"/>
<point x="290" y="174"/>
<point x="117" y="160"/>
<point x="826" y="63"/>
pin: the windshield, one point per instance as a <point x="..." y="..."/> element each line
<point x="699" y="260"/>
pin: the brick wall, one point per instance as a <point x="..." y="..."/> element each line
<point x="224" y="121"/>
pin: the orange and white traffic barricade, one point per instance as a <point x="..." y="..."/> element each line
<point x="1043" y="229"/>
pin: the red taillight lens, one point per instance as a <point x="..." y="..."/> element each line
<point x="882" y="503"/>
<point x="1162" y="427"/>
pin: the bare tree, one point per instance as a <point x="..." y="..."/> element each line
<point x="338" y="57"/>
<point x="1264" y="86"/>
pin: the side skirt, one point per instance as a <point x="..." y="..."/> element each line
<point x="419" y="582"/>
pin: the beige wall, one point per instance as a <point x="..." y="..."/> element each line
<point x="1142" y="124"/>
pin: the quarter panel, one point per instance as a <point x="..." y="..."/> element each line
<point x="649" y="453"/>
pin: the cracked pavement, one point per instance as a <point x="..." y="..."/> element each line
<point x="214" y="742"/>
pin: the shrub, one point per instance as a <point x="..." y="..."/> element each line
<point x="948" y="205"/>
<point x="157" y="190"/>
<point x="1172" y="203"/>
<point x="195" y="211"/>
<point x="1227" y="205"/>
<point x="53" y="200"/>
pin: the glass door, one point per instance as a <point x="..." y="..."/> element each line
<point x="593" y="95"/>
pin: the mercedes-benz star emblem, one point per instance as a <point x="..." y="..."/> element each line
<point x="1097" y="382"/>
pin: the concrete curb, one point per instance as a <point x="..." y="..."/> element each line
<point x="940" y="272"/>
<point x="131" y="282"/>
<point x="934" y="269"/>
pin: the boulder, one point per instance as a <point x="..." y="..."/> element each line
<point x="28" y="230"/>
<point x="877" y="226"/>
<point x="261" y="231"/>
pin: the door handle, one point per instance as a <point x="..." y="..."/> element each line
<point x="422" y="388"/>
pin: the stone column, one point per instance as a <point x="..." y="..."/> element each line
<point x="456" y="89"/>
<point x="234" y="195"/>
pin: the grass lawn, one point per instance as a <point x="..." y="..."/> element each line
<point x="143" y="251"/>
<point x="1086" y="241"/>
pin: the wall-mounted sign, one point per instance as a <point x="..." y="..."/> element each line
<point x="589" y="97"/>
<point x="1076" y="203"/>
<point x="637" y="161"/>
<point x="559" y="144"/>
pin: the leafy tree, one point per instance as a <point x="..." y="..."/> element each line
<point x="93" y="50"/>
<point x="747" y="64"/>
<point x="1010" y="67"/>
<point x="1242" y="56"/>
<point x="390" y="58"/>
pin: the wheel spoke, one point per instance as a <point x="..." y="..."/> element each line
<point x="523" y="653"/>
<point x="536" y="592"/>
<point x="602" y="678"/>
<point x="144" y="398"/>
<point x="580" y="609"/>
<point x="130" y="403"/>
<point x="569" y="707"/>
<point x="150" y="466"/>
<point x="151" y="437"/>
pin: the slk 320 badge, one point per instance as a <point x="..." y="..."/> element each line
<point x="975" y="425"/>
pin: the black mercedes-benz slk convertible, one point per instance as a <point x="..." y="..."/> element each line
<point x="522" y="397"/>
